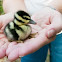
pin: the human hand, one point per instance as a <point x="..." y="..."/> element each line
<point x="15" y="50"/>
<point x="49" y="18"/>
<point x="3" y="45"/>
<point x="48" y="24"/>
<point x="4" y="19"/>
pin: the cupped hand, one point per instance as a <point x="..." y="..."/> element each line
<point x="3" y="45"/>
<point x="48" y="17"/>
<point x="48" y="25"/>
<point x="15" y="50"/>
<point x="4" y="19"/>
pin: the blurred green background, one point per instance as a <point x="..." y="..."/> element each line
<point x="1" y="9"/>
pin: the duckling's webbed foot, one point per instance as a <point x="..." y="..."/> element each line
<point x="32" y="35"/>
<point x="19" y="41"/>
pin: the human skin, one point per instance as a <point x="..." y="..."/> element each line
<point x="46" y="30"/>
<point x="45" y="25"/>
<point x="9" y="8"/>
<point x="56" y="4"/>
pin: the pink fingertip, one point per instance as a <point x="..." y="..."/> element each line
<point x="13" y="55"/>
<point x="2" y="52"/>
<point x="10" y="47"/>
<point x="50" y="33"/>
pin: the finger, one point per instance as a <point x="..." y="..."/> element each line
<point x="3" y="50"/>
<point x="30" y="46"/>
<point x="4" y="39"/>
<point x="10" y="48"/>
<point x="55" y="26"/>
<point x="15" y="55"/>
<point x="1" y="43"/>
<point x="14" y="52"/>
<point x="51" y="33"/>
<point x="56" y="22"/>
<point x="2" y="29"/>
<point x="2" y="36"/>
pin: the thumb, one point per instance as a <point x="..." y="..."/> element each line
<point x="51" y="33"/>
<point x="52" y="30"/>
<point x="55" y="26"/>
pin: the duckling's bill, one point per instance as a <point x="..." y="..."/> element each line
<point x="32" y="22"/>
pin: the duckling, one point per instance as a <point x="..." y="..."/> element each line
<point x="18" y="29"/>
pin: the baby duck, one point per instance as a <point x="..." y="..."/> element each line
<point x="18" y="29"/>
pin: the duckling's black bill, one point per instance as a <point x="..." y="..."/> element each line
<point x="32" y="22"/>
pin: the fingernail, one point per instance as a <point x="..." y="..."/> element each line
<point x="51" y="33"/>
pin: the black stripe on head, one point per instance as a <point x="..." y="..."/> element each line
<point x="22" y="13"/>
<point x="25" y="18"/>
<point x="18" y="19"/>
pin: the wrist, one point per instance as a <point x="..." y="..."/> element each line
<point x="13" y="5"/>
<point x="56" y="4"/>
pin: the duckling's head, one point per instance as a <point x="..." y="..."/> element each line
<point x="23" y="18"/>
